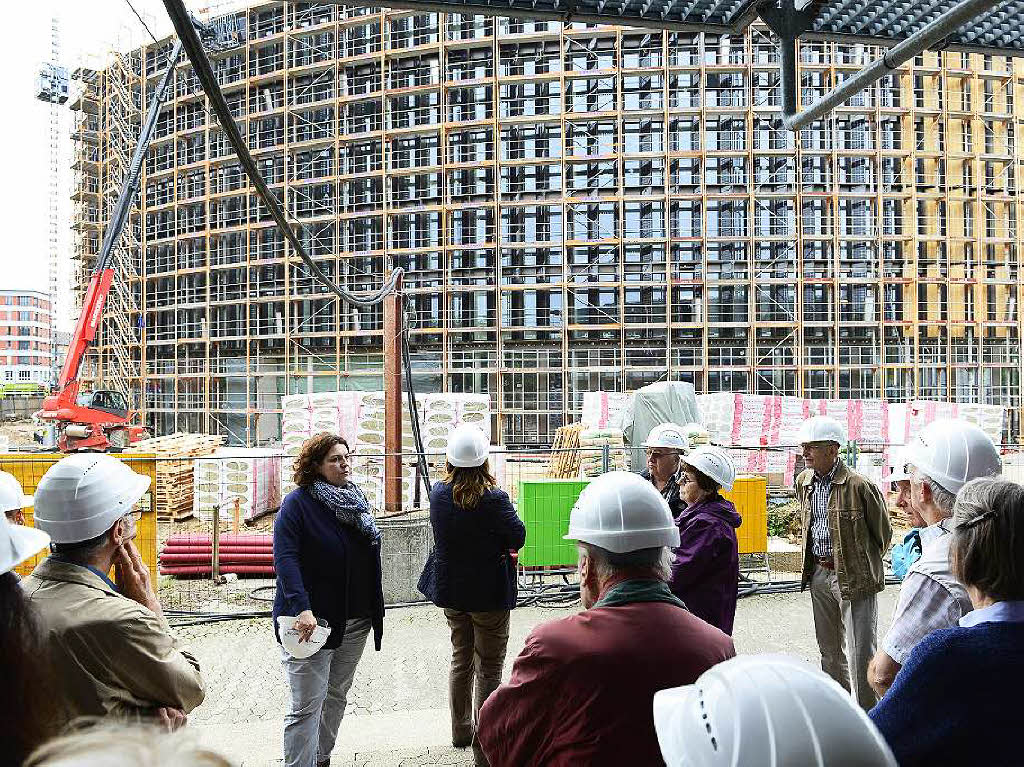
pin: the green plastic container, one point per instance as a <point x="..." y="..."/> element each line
<point x="544" y="507"/>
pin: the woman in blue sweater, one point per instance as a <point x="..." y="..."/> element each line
<point x="957" y="699"/>
<point x="327" y="558"/>
<point x="470" y="574"/>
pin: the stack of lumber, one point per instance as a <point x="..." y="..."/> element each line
<point x="192" y="555"/>
<point x="174" y="453"/>
<point x="565" y="455"/>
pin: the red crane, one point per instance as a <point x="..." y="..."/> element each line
<point x="101" y="420"/>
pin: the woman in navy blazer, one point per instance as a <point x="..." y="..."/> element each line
<point x="471" y="574"/>
<point x="327" y="558"/>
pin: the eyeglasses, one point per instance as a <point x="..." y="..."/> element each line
<point x="659" y="454"/>
<point x="687" y="479"/>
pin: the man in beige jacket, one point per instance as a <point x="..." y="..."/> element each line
<point x="112" y="650"/>
<point x="845" y="531"/>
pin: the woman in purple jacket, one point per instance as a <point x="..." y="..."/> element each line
<point x="706" y="565"/>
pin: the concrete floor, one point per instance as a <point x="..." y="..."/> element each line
<point x="397" y="712"/>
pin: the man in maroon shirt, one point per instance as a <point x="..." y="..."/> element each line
<point x="581" y="691"/>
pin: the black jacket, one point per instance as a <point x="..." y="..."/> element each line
<point x="469" y="568"/>
<point x="312" y="564"/>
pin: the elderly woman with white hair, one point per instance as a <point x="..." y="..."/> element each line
<point x="957" y="698"/>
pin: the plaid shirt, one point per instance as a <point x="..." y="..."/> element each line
<point x="821" y="489"/>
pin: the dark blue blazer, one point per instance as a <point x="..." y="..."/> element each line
<point x="469" y="568"/>
<point x="312" y="564"/>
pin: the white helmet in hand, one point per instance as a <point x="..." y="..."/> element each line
<point x="290" y="637"/>
<point x="621" y="511"/>
<point x="715" y="463"/>
<point x="766" y="709"/>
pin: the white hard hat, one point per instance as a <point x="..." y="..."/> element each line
<point x="667" y="435"/>
<point x="953" y="452"/>
<point x="12" y="497"/>
<point x="18" y="543"/>
<point x="766" y="709"/>
<point x="83" y="495"/>
<point x="715" y="463"/>
<point x="621" y="511"/>
<point x="467" y="446"/>
<point x="290" y="637"/>
<point x="821" y="428"/>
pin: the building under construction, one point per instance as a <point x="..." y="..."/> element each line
<point x="577" y="207"/>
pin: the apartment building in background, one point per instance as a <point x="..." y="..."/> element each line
<point x="25" y="343"/>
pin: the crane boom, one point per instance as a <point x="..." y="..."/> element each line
<point x="103" y="276"/>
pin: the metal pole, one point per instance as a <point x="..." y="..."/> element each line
<point x="215" y="559"/>
<point x="933" y="33"/>
<point x="393" y="400"/>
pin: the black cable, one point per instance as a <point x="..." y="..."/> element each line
<point x="417" y="435"/>
<point x="204" y="72"/>
<point x="143" y="23"/>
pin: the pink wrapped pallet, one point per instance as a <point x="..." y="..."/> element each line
<point x="865" y="420"/>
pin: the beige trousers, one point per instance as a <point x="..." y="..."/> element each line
<point x="845" y="628"/>
<point x="479" y="641"/>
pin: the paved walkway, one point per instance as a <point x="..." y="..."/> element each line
<point x="397" y="712"/>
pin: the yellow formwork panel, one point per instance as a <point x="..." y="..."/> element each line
<point x="750" y="497"/>
<point x="29" y="468"/>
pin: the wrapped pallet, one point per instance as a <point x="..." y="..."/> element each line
<point x="252" y="477"/>
<point x="662" y="402"/>
<point x="592" y="451"/>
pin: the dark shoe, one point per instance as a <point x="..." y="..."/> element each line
<point x="462" y="739"/>
<point x="325" y="763"/>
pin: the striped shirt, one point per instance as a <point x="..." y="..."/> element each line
<point x="821" y="489"/>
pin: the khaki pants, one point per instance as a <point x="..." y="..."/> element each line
<point x="479" y="641"/>
<point x="845" y="629"/>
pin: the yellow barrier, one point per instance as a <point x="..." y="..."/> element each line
<point x="750" y="496"/>
<point x="29" y="468"/>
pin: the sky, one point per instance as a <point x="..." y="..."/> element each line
<point x="86" y="28"/>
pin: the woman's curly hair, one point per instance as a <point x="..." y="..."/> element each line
<point x="314" y="450"/>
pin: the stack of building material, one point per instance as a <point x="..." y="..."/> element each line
<point x="604" y="410"/>
<point x="564" y="462"/>
<point x="249" y="477"/>
<point x="865" y="420"/>
<point x="592" y="451"/>
<point x="740" y="420"/>
<point x="192" y="555"/>
<point x="991" y="419"/>
<point x="173" y="494"/>
<point x="359" y="417"/>
<point x="777" y="466"/>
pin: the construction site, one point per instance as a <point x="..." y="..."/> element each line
<point x="555" y="226"/>
<point x="578" y="208"/>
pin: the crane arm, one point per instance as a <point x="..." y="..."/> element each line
<point x="103" y="275"/>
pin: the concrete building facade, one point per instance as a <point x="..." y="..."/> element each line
<point x="577" y="207"/>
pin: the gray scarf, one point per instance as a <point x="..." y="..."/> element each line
<point x="349" y="505"/>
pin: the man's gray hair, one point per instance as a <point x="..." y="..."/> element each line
<point x="941" y="497"/>
<point x="656" y="561"/>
